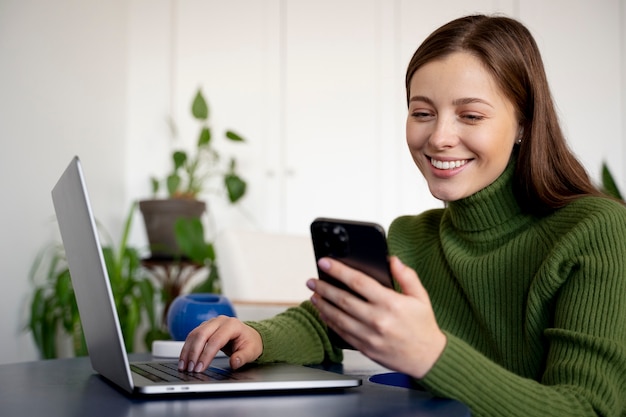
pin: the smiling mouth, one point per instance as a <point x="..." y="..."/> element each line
<point x="448" y="164"/>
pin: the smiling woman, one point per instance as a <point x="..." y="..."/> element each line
<point x="509" y="70"/>
<point x="460" y="128"/>
<point x="511" y="297"/>
<point x="102" y="80"/>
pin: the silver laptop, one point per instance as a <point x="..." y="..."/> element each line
<point x="102" y="329"/>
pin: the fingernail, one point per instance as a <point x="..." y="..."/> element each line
<point x="237" y="362"/>
<point x="324" y="264"/>
<point x="190" y="366"/>
<point x="310" y="284"/>
<point x="313" y="300"/>
<point x="181" y="365"/>
<point x="398" y="262"/>
<point x="199" y="367"/>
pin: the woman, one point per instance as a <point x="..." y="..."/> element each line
<point x="511" y="296"/>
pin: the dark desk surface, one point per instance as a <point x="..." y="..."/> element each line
<point x="69" y="387"/>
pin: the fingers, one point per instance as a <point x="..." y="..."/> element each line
<point x="399" y="331"/>
<point x="339" y="308"/>
<point x="342" y="311"/>
<point x="357" y="281"/>
<point x="197" y="350"/>
<point x="341" y="321"/>
<point x="407" y="278"/>
<point x="242" y="342"/>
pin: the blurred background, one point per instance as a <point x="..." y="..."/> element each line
<point x="315" y="87"/>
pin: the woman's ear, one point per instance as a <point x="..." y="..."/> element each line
<point x="520" y="134"/>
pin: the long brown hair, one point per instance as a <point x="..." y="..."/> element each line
<point x="548" y="175"/>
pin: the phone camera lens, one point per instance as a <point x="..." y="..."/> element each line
<point x="339" y="241"/>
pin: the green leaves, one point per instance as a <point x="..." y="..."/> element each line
<point x="53" y="307"/>
<point x="174" y="180"/>
<point x="155" y="185"/>
<point x="199" y="107"/>
<point x="235" y="187"/>
<point x="205" y="137"/>
<point x="37" y="323"/>
<point x="189" y="235"/>
<point x="233" y="136"/>
<point x="608" y="183"/>
<point x="53" y="303"/>
<point x="198" y="171"/>
<point x="179" y="158"/>
<point x="172" y="183"/>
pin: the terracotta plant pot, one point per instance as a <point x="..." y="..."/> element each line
<point x="160" y="216"/>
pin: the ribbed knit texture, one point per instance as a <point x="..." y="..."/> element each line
<point x="534" y="308"/>
<point x="296" y="336"/>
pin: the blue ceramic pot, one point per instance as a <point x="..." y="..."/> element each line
<point x="188" y="311"/>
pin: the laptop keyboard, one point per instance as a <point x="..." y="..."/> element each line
<point x="168" y="372"/>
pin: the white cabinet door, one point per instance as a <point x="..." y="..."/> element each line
<point x="317" y="87"/>
<point x="334" y="140"/>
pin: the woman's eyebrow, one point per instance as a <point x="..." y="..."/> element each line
<point x="457" y="102"/>
<point x="470" y="100"/>
<point x="421" y="98"/>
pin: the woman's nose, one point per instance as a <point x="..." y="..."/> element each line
<point x="444" y="135"/>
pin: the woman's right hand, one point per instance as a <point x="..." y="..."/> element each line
<point x="238" y="340"/>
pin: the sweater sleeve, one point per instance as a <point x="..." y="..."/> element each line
<point x="296" y="336"/>
<point x="585" y="364"/>
<point x="490" y="390"/>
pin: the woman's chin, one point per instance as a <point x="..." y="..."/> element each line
<point x="446" y="194"/>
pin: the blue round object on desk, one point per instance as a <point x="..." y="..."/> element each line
<point x="188" y="311"/>
<point x="396" y="379"/>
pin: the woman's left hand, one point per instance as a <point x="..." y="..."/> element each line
<point x="399" y="331"/>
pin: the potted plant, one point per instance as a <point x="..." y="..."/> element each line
<point x="197" y="260"/>
<point x="54" y="312"/>
<point x="190" y="175"/>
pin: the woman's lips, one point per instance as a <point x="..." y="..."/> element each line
<point x="448" y="165"/>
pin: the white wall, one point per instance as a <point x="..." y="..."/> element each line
<point x="63" y="75"/>
<point x="315" y="86"/>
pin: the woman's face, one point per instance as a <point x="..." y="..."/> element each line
<point x="460" y="128"/>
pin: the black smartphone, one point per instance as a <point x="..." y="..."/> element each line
<point x="360" y="245"/>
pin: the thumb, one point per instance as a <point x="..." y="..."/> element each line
<point x="247" y="348"/>
<point x="241" y="356"/>
<point x="235" y="361"/>
<point x="407" y="278"/>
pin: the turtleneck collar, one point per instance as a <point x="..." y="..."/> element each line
<point x="490" y="207"/>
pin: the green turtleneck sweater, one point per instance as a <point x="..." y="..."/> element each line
<point x="534" y="309"/>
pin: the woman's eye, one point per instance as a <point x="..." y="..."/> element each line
<point x="420" y="114"/>
<point x="472" y="118"/>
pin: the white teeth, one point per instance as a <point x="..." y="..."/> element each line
<point x="447" y="164"/>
